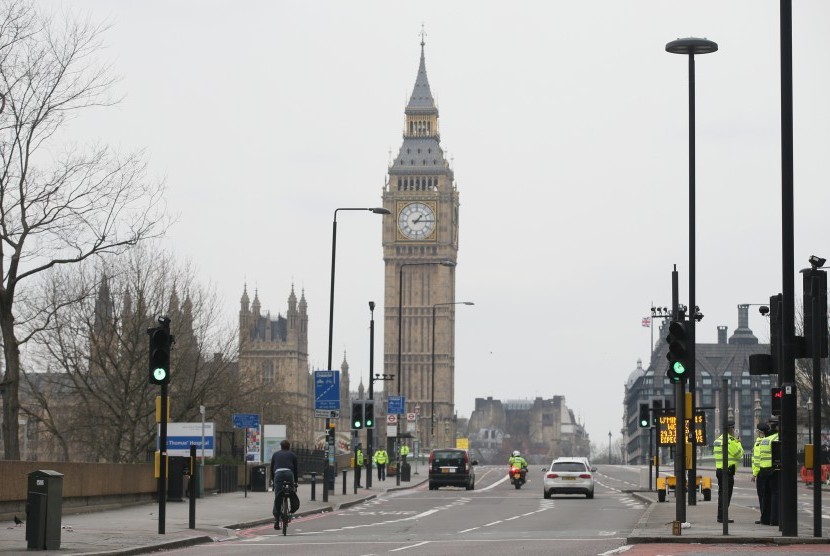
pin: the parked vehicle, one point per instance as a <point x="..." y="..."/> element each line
<point x="569" y="476"/>
<point x="451" y="467"/>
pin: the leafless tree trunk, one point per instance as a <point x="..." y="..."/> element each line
<point x="58" y="205"/>
<point x="96" y="396"/>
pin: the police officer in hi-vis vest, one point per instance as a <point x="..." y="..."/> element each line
<point x="726" y="477"/>
<point x="768" y="477"/>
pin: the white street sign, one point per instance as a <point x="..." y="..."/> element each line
<point x="391" y="419"/>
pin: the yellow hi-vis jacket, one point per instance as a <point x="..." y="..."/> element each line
<point x="734" y="452"/>
<point x="765" y="458"/>
<point x="380" y="457"/>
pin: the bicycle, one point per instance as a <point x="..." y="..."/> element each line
<point x="286" y="490"/>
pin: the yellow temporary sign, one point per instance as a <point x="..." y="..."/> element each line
<point x="462" y="443"/>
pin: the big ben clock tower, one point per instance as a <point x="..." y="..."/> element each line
<point x="420" y="249"/>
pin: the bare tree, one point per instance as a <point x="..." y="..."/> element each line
<point x="95" y="399"/>
<point x="59" y="205"/>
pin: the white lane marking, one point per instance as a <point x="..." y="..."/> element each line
<point x="528" y="513"/>
<point x="470" y="529"/>
<point x="500" y="481"/>
<point x="362" y="525"/>
<point x="620" y="550"/>
<point x="410" y="546"/>
<point x="607" y="533"/>
<point x="493" y="523"/>
<point x="512" y="518"/>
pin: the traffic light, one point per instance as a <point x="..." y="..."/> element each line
<point x="678" y="355"/>
<point x="815" y="289"/>
<point x="776" y="395"/>
<point x="645" y="420"/>
<point x="357" y="415"/>
<point x="160" y="342"/>
<point x="369" y="414"/>
<point x="657" y="405"/>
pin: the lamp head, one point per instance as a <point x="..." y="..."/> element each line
<point x="371" y="305"/>
<point x="816" y="262"/>
<point x="380" y="210"/>
<point x="692" y="45"/>
<point x="764" y="310"/>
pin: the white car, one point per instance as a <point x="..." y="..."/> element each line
<point x="569" y="476"/>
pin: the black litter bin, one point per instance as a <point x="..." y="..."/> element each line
<point x="44" y="505"/>
<point x="405" y="468"/>
<point x="259" y="479"/>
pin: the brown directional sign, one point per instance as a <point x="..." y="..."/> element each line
<point x="667" y="429"/>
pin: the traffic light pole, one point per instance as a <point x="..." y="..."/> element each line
<point x="680" y="410"/>
<point x="788" y="514"/>
<point x="162" y="486"/>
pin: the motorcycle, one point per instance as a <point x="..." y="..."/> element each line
<point x="517" y="476"/>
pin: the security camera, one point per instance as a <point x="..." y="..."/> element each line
<point x="817" y="262"/>
<point x="763" y="309"/>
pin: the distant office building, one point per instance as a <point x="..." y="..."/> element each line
<point x="749" y="396"/>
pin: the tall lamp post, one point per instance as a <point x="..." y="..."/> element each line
<point x="609" y="447"/>
<point x="691" y="46"/>
<point x="432" y="378"/>
<point x="375" y="210"/>
<point x="400" y="344"/>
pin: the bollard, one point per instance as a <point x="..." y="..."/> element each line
<point x="313" y="485"/>
<point x="344" y="482"/>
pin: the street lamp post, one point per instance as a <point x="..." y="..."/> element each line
<point x="609" y="447"/>
<point x="432" y="378"/>
<point x="691" y="46"/>
<point x="330" y="457"/>
<point x="400" y="344"/>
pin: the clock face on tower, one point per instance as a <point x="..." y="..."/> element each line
<point x="416" y="221"/>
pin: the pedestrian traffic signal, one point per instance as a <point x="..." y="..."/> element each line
<point x="369" y="414"/>
<point x="645" y="421"/>
<point x="776" y="395"/>
<point x="159" y="360"/>
<point x="678" y="355"/>
<point x="357" y="414"/>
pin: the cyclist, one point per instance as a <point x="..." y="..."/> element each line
<point x="284" y="470"/>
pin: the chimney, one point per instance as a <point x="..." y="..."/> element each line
<point x="722" y="335"/>
<point x="743" y="334"/>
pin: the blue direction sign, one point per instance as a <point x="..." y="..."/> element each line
<point x="327" y="390"/>
<point x="394" y="405"/>
<point x="245" y="420"/>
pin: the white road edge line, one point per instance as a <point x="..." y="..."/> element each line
<point x="410" y="546"/>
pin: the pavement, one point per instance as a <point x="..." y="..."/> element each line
<point x="701" y="525"/>
<point x="218" y="517"/>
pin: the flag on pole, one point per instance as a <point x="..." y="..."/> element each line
<point x="646" y="322"/>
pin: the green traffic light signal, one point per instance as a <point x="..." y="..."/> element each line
<point x="369" y="414"/>
<point x="645" y="419"/>
<point x="159" y="355"/>
<point x="678" y="368"/>
<point x="357" y="415"/>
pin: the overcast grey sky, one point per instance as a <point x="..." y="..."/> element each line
<point x="567" y="127"/>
